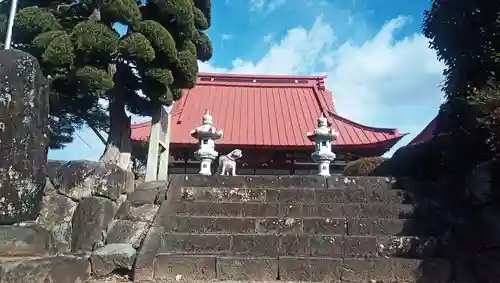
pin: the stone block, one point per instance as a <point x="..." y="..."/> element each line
<point x="322" y="225"/>
<point x="365" y="269"/>
<point x="330" y="196"/>
<point x="360" y="246"/>
<point x="291" y="209"/>
<point x="144" y="213"/>
<point x="329" y="210"/>
<point x="152" y="185"/>
<point x="247" y="269"/>
<point x="377" y="210"/>
<point x="90" y="221"/>
<point x="355" y="195"/>
<point x="342" y="182"/>
<point x="55" y="216"/>
<point x="210" y="224"/>
<point x="208" y="208"/>
<point x="24" y="108"/>
<point x="113" y="256"/>
<point x="144" y="264"/>
<point x="53" y="269"/>
<point x="278" y="225"/>
<point x="385" y="196"/>
<point x="255" y="245"/>
<point x="82" y="178"/>
<point x="395" y="270"/>
<point x="184" y="267"/>
<point x="253" y="209"/>
<point x="295" y="245"/>
<point x="127" y="232"/>
<point x="310" y="269"/>
<point x="195" y="243"/>
<point x="296" y="195"/>
<point x="31" y="240"/>
<point x="379" y="226"/>
<point x="296" y="181"/>
<point x="142" y="197"/>
<point x="408" y="246"/>
<point x="225" y="181"/>
<point x="324" y="269"/>
<point x="327" y="246"/>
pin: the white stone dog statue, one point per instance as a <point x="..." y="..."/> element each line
<point x="227" y="163"/>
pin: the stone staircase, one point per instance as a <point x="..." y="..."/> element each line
<point x="289" y="228"/>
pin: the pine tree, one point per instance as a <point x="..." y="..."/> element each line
<point x="87" y="60"/>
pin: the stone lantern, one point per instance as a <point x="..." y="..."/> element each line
<point x="322" y="138"/>
<point x="206" y="134"/>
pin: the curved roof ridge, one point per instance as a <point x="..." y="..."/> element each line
<point x="369" y="128"/>
<point x="250" y="76"/>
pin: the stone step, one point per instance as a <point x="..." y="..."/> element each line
<point x="289" y="195"/>
<point x="206" y="268"/>
<point x="293" y="181"/>
<point x="264" y="209"/>
<point x="273" y="245"/>
<point x="287" y="225"/>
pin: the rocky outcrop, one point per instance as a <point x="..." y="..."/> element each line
<point x="24" y="108"/>
<point x="78" y="214"/>
<point x="81" y="199"/>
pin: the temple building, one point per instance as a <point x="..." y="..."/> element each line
<point x="267" y="117"/>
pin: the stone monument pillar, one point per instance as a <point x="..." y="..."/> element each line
<point x="206" y="134"/>
<point x="322" y="137"/>
<point x="24" y="109"/>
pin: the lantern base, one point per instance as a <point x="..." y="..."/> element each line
<point x="206" y="167"/>
<point x="324" y="168"/>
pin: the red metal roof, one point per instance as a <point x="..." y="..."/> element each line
<point x="264" y="110"/>
<point x="427" y="133"/>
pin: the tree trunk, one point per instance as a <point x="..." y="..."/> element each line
<point x="118" y="146"/>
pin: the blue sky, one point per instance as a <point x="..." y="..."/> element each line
<point x="379" y="66"/>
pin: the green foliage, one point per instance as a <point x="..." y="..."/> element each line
<point x="94" y="41"/>
<point x="59" y="52"/>
<point x="186" y="71"/>
<point x="42" y="41"/>
<point x="136" y="47"/>
<point x="465" y="37"/>
<point x="124" y="11"/>
<point x="200" y="21"/>
<point x="160" y="39"/>
<point x="180" y="10"/>
<point x="93" y="78"/>
<point x="366" y="166"/>
<point x="162" y="76"/>
<point x="32" y="21"/>
<point x="204" y="49"/>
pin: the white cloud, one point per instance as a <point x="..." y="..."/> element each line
<point x="267" y="5"/>
<point x="226" y="36"/>
<point x="268" y="38"/>
<point x="385" y="82"/>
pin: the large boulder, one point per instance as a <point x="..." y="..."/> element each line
<point x="81" y="178"/>
<point x="24" y="109"/>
